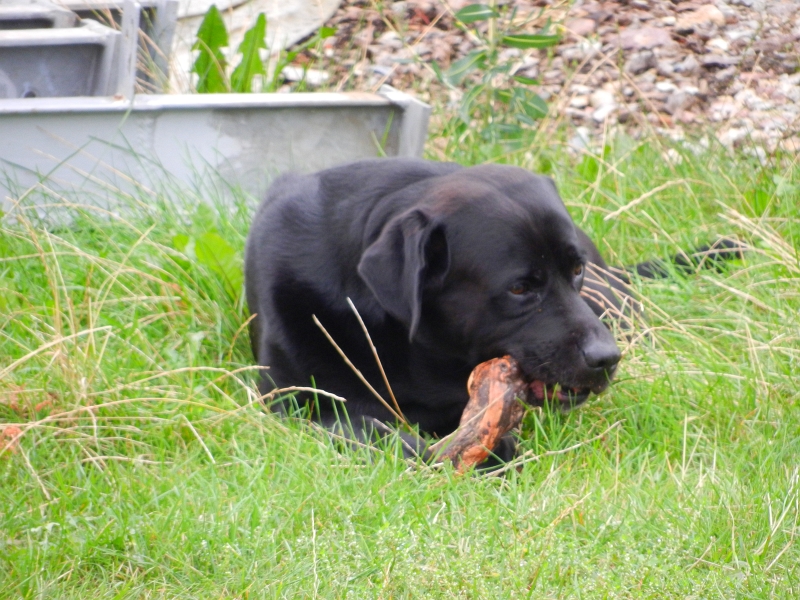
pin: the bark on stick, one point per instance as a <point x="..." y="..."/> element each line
<point x="496" y="389"/>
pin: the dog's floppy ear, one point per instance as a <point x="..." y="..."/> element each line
<point x="410" y="252"/>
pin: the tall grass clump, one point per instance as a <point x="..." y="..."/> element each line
<point x="136" y="461"/>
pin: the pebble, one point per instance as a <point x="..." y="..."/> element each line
<point x="312" y="77"/>
<point x="644" y="38"/>
<point x="641" y="62"/>
<point x="601" y="98"/>
<point x="719" y="60"/>
<point x="602" y="113"/>
<point x="688" y="65"/>
<point x="579" y="102"/>
<point x="730" y="64"/>
<point x="725" y="75"/>
<point x="719" y="44"/>
<point x="581" y="27"/>
<point x="704" y="16"/>
<point x="678" y="101"/>
<point x="581" y="140"/>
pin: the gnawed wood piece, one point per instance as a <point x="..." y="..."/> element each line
<point x="496" y="390"/>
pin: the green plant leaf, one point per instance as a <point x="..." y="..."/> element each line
<point x="784" y="188"/>
<point x="529" y="40"/>
<point x="588" y="168"/>
<point x="525" y="80"/>
<point x="534" y="106"/>
<point x="180" y="241"/>
<point x="524" y="119"/>
<point x="210" y="64"/>
<point x="498" y="132"/>
<point x="326" y="32"/>
<point x="459" y="70"/>
<point x="468" y="103"/>
<point x="437" y="70"/>
<point x="251" y="65"/>
<point x="473" y="13"/>
<point x="503" y="96"/>
<point x="218" y="255"/>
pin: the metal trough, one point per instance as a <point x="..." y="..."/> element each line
<point x="67" y="61"/>
<point x="91" y="144"/>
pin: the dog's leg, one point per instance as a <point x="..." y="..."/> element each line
<point x="367" y="431"/>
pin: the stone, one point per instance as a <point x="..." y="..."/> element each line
<point x="704" y="16"/>
<point x="688" y="65"/>
<point x="573" y="54"/>
<point x="789" y="87"/>
<point x="579" y="102"/>
<point x="732" y="136"/>
<point x="553" y="75"/>
<point x="601" y="98"/>
<point x="672" y="156"/>
<point x="753" y="101"/>
<point x="719" y="44"/>
<point x="390" y="39"/>
<point x="791" y="145"/>
<point x="723" y="108"/>
<point x="400" y="8"/>
<point x="582" y="27"/>
<point x="758" y="152"/>
<point x="774" y="43"/>
<point x="581" y="140"/>
<point x="644" y="38"/>
<point x="744" y="34"/>
<point x="641" y="62"/>
<point x="665" y="68"/>
<point x="678" y="101"/>
<point x="782" y="10"/>
<point x="719" y="61"/>
<point x="604" y="112"/>
<point x="312" y="77"/>
<point x="725" y="75"/>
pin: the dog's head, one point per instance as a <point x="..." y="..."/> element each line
<point x="487" y="262"/>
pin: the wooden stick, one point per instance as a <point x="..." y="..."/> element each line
<point x="496" y="389"/>
<point x="358" y="373"/>
<point x="378" y="360"/>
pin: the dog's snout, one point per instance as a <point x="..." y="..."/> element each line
<point x="601" y="354"/>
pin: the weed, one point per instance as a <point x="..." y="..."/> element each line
<point x="496" y="105"/>
<point x="253" y="73"/>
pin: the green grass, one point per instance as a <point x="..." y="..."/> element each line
<point x="145" y="468"/>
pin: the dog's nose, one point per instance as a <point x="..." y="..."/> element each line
<point x="600" y="354"/>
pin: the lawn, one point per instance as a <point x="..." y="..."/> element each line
<point x="137" y="462"/>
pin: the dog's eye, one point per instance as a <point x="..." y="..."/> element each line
<point x="520" y="288"/>
<point x="577" y="270"/>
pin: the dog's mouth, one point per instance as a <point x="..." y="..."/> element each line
<point x="541" y="393"/>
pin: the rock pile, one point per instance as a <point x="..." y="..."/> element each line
<point x="732" y="65"/>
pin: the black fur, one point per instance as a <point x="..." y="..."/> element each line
<point x="430" y="254"/>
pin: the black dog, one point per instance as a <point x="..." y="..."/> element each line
<point x="448" y="267"/>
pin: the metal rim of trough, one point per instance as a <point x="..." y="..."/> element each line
<point x="19" y="117"/>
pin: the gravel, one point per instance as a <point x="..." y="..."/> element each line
<point x="730" y="67"/>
